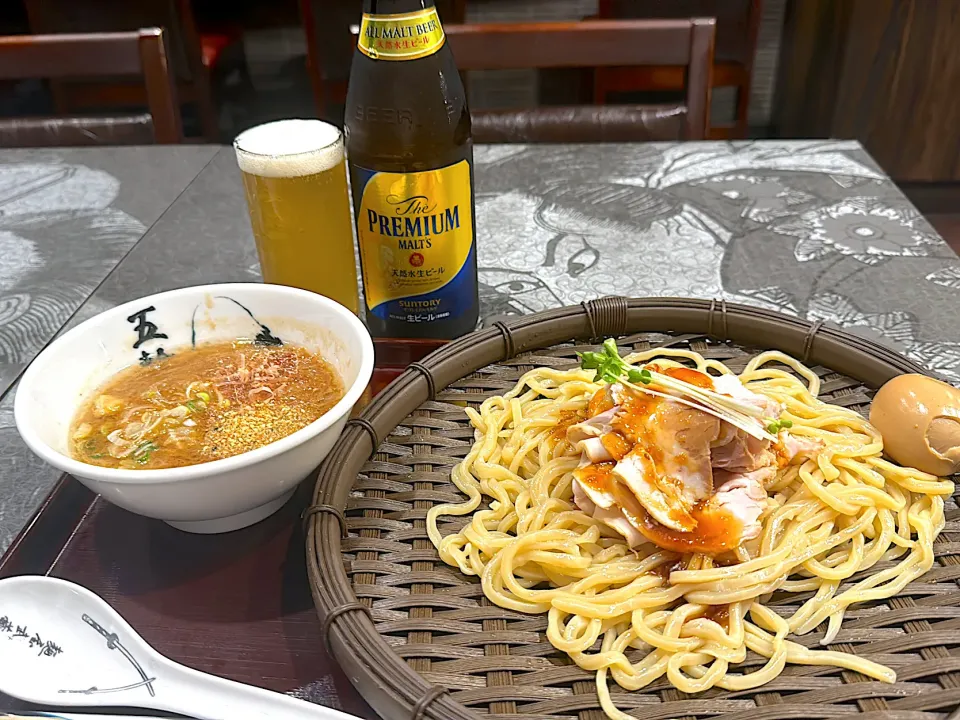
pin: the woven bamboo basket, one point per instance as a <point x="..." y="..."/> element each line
<point x="418" y="639"/>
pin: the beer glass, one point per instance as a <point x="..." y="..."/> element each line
<point x="295" y="180"/>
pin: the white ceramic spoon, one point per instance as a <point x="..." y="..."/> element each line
<point x="62" y="645"/>
<point x="24" y="714"/>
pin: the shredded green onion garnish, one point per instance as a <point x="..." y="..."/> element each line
<point x="611" y="368"/>
<point x="196" y="406"/>
<point x="142" y="453"/>
<point x="776" y="426"/>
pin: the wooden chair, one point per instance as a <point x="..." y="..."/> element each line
<point x="191" y="54"/>
<point x="592" y="43"/>
<point x="738" y="27"/>
<point x="327" y="25"/>
<point x="141" y="53"/>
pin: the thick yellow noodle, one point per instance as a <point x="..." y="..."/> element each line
<point x="832" y="517"/>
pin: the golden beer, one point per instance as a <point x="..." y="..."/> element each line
<point x="295" y="180"/>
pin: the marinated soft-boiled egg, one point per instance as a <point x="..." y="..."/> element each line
<point x="919" y="419"/>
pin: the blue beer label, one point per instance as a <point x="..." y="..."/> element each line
<point x="415" y="234"/>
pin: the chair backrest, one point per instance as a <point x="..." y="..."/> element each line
<point x="591" y="44"/>
<point x="94" y="55"/>
<point x="327" y="25"/>
<point x="737" y="20"/>
<point x="47" y="17"/>
<point x="597" y="43"/>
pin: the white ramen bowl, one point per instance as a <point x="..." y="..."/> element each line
<point x="213" y="497"/>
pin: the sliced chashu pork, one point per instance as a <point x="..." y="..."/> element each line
<point x="662" y="489"/>
<point x="734" y="449"/>
<point x="594" y="427"/>
<point x="602" y="409"/>
<point x="661" y="449"/>
<point x="739" y="452"/>
<point x="743" y="496"/>
<point x="668" y="469"/>
<point x="613" y="517"/>
<point x="728" y="519"/>
<point x="588" y="436"/>
<point x="797" y="446"/>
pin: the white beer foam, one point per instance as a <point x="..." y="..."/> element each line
<point x="289" y="148"/>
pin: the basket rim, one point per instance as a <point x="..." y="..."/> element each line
<point x="386" y="681"/>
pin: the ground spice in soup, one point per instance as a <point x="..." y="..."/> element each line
<point x="203" y="404"/>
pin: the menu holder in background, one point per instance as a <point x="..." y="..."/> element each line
<point x="236" y="605"/>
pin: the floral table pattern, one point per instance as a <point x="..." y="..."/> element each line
<point x="810" y="228"/>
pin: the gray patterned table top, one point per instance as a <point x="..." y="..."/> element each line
<point x="813" y="229"/>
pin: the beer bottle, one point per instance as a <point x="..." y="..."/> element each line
<point x="410" y="155"/>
